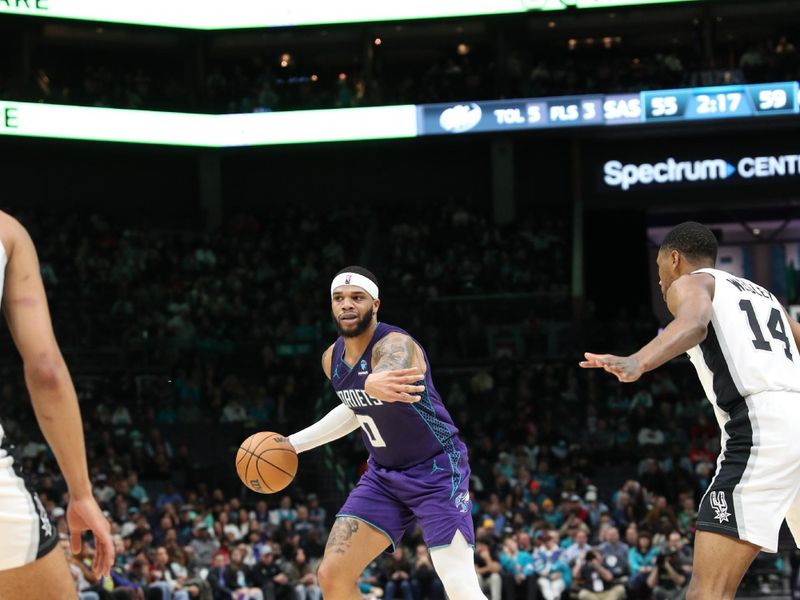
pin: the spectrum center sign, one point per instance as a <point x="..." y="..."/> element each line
<point x="625" y="176"/>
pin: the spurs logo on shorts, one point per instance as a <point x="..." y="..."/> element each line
<point x="720" y="506"/>
<point x="26" y="532"/>
<point x="47" y="526"/>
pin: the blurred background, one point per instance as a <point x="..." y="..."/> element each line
<point x="511" y="200"/>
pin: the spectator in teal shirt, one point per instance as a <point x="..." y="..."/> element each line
<point x="642" y="560"/>
<point x="547" y="481"/>
<point x="518" y="572"/>
<point x="515" y="561"/>
<point x="505" y="465"/>
<point x="551" y="514"/>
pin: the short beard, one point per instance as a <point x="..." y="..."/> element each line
<point x="362" y="325"/>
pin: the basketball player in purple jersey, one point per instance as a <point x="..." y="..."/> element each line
<point x="418" y="469"/>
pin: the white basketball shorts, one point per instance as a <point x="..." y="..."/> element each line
<point x="26" y="532"/>
<point x="757" y="483"/>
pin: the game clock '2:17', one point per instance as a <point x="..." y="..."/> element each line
<point x="720" y="102"/>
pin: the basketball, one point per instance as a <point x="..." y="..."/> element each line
<point x="266" y="462"/>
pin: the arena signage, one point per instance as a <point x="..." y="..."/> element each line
<point x="248" y="14"/>
<point x="9" y="118"/>
<point x="215" y="131"/>
<point x="622" y="176"/>
<point x="23" y="6"/>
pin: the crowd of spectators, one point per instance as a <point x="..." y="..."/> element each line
<point x="267" y="81"/>
<point x="196" y="545"/>
<point x="580" y="485"/>
<point x="548" y="516"/>
<point x="166" y="291"/>
<point x="603" y="505"/>
<point x="166" y="294"/>
<point x="465" y="253"/>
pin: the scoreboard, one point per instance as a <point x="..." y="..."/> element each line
<point x="614" y="109"/>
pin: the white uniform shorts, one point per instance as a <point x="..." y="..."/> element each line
<point x="26" y="532"/>
<point x="757" y="483"/>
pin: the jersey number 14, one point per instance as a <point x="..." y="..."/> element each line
<point x="774" y="325"/>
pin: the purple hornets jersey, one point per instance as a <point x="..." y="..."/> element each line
<point x="398" y="435"/>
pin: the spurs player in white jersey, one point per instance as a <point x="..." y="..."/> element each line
<point x="744" y="348"/>
<point x="31" y="563"/>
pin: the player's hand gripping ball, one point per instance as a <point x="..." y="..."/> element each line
<point x="266" y="462"/>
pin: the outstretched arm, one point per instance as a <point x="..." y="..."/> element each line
<point x="336" y="424"/>
<point x="398" y="369"/>
<point x="689" y="299"/>
<point x="52" y="393"/>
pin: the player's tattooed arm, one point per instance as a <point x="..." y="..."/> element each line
<point x="398" y="370"/>
<point x="341" y="537"/>
<point x="395" y="351"/>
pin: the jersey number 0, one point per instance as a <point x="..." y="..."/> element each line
<point x="371" y="429"/>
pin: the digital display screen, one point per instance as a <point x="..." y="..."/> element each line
<point x="614" y="109"/>
<point x="249" y="14"/>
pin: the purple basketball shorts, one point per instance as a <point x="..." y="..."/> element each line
<point x="434" y="493"/>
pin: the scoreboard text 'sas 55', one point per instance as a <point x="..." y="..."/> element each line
<point x="720" y="102"/>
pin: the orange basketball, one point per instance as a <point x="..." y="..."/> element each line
<point x="266" y="462"/>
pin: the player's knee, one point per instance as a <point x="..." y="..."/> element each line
<point x="326" y="575"/>
<point x="333" y="578"/>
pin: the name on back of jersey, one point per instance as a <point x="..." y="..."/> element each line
<point x="746" y="286"/>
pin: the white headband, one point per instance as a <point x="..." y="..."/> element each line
<point x="357" y="280"/>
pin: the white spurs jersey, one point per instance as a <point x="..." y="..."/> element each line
<point x="749" y="348"/>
